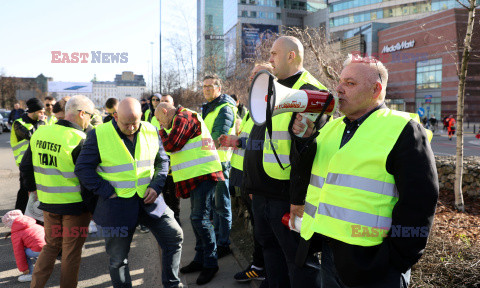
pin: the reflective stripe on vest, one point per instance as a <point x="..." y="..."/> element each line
<point x="197" y="157"/>
<point x="52" y="147"/>
<point x="225" y="153"/>
<point x="19" y="147"/>
<point x="238" y="153"/>
<point x="281" y="138"/>
<point x="128" y="175"/>
<point x="350" y="186"/>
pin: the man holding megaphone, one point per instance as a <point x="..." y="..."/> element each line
<point x="267" y="173"/>
<point x="373" y="189"/>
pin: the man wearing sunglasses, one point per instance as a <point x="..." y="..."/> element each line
<point x="149" y="115"/>
<point x="50" y="116"/>
<point x="48" y="169"/>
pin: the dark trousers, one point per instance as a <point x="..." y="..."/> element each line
<point x="392" y="279"/>
<point x="171" y="200"/>
<point x="280" y="245"/>
<point x="22" y="197"/>
<point x="257" y="248"/>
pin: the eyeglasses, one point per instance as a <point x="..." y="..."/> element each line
<point x="209" y="86"/>
<point x="88" y="113"/>
<point x="49" y="105"/>
<point x="155" y="100"/>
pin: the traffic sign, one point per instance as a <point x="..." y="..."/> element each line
<point x="428" y="100"/>
<point x="421" y="112"/>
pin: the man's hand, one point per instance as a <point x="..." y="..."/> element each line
<point x="229" y="140"/>
<point x="298" y="126"/>
<point x="34" y="192"/>
<point x="150" y="196"/>
<point x="295" y="211"/>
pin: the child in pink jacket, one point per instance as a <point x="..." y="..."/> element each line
<point x="28" y="239"/>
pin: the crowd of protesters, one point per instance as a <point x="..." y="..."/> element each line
<point x="357" y="182"/>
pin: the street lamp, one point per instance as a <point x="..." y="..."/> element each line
<point x="152" y="63"/>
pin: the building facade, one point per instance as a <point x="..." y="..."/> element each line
<point x="423" y="56"/>
<point x="248" y="22"/>
<point x="210" y="47"/>
<point x="344" y="15"/>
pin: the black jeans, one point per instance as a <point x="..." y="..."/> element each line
<point x="22" y="197"/>
<point x="280" y="245"/>
<point x="170" y="199"/>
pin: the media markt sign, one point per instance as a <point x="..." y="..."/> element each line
<point x="398" y="46"/>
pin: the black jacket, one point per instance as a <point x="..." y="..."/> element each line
<point x="412" y="163"/>
<point x="255" y="179"/>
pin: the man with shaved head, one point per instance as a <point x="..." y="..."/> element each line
<point x="371" y="200"/>
<point x="196" y="171"/>
<point x="124" y="163"/>
<point x="276" y="186"/>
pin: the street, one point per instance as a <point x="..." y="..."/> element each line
<point x="443" y="147"/>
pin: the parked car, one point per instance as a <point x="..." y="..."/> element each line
<point x="5" y="114"/>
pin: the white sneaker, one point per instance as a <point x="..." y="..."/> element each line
<point x="92" y="227"/>
<point x="25" y="278"/>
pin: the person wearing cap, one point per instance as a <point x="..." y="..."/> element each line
<point x="49" y="115"/>
<point x="28" y="239"/>
<point x="23" y="129"/>
<point x="48" y="171"/>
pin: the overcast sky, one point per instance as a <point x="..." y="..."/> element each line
<point x="30" y="30"/>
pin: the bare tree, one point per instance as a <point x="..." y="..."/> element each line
<point x="462" y="75"/>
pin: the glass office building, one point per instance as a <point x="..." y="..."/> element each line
<point x="348" y="14"/>
<point x="210" y="54"/>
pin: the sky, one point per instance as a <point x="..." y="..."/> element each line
<point x="30" y="30"/>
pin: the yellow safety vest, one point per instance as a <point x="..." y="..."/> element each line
<point x="281" y="137"/>
<point x="351" y="194"/>
<point x="53" y="165"/>
<point x="152" y="121"/>
<point x="223" y="152"/>
<point x="244" y="132"/>
<point x="19" y="147"/>
<point x="51" y="121"/>
<point x="198" y="156"/>
<point x="127" y="174"/>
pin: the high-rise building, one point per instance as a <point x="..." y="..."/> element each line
<point x="210" y="54"/>
<point x="345" y="15"/>
<point x="247" y="22"/>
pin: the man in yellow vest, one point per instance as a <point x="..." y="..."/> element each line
<point x="256" y="269"/>
<point x="276" y="185"/>
<point x="219" y="114"/>
<point x="49" y="115"/>
<point x="373" y="187"/>
<point x="22" y="130"/>
<point x="196" y="170"/>
<point x="48" y="169"/>
<point x="124" y="163"/>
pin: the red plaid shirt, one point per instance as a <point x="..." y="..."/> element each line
<point x="186" y="127"/>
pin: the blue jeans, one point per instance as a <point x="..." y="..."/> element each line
<point x="201" y="200"/>
<point x="222" y="215"/>
<point x="330" y="278"/>
<point x="169" y="236"/>
<point x="280" y="245"/>
<point x="31" y="258"/>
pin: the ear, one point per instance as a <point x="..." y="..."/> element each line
<point x="377" y="90"/>
<point x="115" y="116"/>
<point x="291" y="56"/>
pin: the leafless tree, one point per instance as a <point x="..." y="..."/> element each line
<point x="462" y="75"/>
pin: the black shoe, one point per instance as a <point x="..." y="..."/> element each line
<point x="250" y="274"/>
<point x="223" y="251"/>
<point x="206" y="275"/>
<point x="192" y="267"/>
<point x="144" y="229"/>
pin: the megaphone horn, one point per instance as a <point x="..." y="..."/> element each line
<point x="284" y="99"/>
